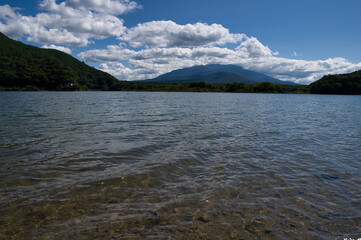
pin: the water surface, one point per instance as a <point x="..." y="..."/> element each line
<point x="87" y="165"/>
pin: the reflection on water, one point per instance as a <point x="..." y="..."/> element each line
<point x="179" y="165"/>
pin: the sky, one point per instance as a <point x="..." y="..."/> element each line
<point x="293" y="40"/>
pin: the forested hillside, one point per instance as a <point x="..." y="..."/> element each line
<point x="338" y="84"/>
<point x="24" y="67"/>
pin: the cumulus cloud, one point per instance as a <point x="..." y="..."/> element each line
<point x="63" y="24"/>
<point x="7" y="12"/>
<point x="115" y="53"/>
<point x="111" y="54"/>
<point x="252" y="48"/>
<point x="170" y="34"/>
<point x="300" y="71"/>
<point x="60" y="48"/>
<point x="116" y="69"/>
<point x="106" y="6"/>
<point x="56" y="36"/>
<point x="9" y="24"/>
<point x="153" y="48"/>
<point x="250" y="54"/>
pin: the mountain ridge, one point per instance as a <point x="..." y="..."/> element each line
<point x="26" y="67"/>
<point x="348" y="83"/>
<point x="216" y="73"/>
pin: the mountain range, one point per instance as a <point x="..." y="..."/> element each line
<point x="25" y="67"/>
<point x="216" y="74"/>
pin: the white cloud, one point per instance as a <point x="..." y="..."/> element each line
<point x="62" y="8"/>
<point x="252" y="48"/>
<point x="7" y="12"/>
<point x="56" y="36"/>
<point x="60" y="48"/>
<point x="116" y="53"/>
<point x="80" y="21"/>
<point x="300" y="71"/>
<point x="116" y="69"/>
<point x="63" y="24"/>
<point x="170" y="34"/>
<point x="153" y="48"/>
<point x="10" y="25"/>
<point x="111" y="54"/>
<point x="251" y="54"/>
<point x="105" y="6"/>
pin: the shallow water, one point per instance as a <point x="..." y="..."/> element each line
<point x="87" y="165"/>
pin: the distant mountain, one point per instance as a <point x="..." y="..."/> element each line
<point x="338" y="84"/>
<point x="224" y="77"/>
<point x="216" y="73"/>
<point x="27" y="67"/>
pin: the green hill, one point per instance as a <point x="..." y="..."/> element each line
<point x="338" y="84"/>
<point x="25" y="67"/>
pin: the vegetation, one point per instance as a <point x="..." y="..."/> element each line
<point x="24" y="67"/>
<point x="28" y="68"/>
<point x="265" y="87"/>
<point x="338" y="84"/>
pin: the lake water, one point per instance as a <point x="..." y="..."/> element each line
<point x="132" y="165"/>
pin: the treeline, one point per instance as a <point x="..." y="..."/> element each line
<point x="265" y="87"/>
<point x="235" y="87"/>
<point x="338" y="84"/>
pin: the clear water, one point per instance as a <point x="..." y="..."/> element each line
<point x="113" y="165"/>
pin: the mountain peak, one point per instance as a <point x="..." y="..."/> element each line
<point x="216" y="73"/>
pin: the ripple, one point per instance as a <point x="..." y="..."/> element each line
<point x="179" y="165"/>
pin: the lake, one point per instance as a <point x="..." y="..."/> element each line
<point x="133" y="165"/>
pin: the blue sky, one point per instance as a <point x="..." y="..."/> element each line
<point x="288" y="39"/>
<point x="318" y="28"/>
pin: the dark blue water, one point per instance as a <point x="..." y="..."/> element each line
<point x="88" y="165"/>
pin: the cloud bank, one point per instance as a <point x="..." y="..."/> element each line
<point x="63" y="24"/>
<point x="251" y="54"/>
<point x="153" y="48"/>
<point x="170" y="34"/>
